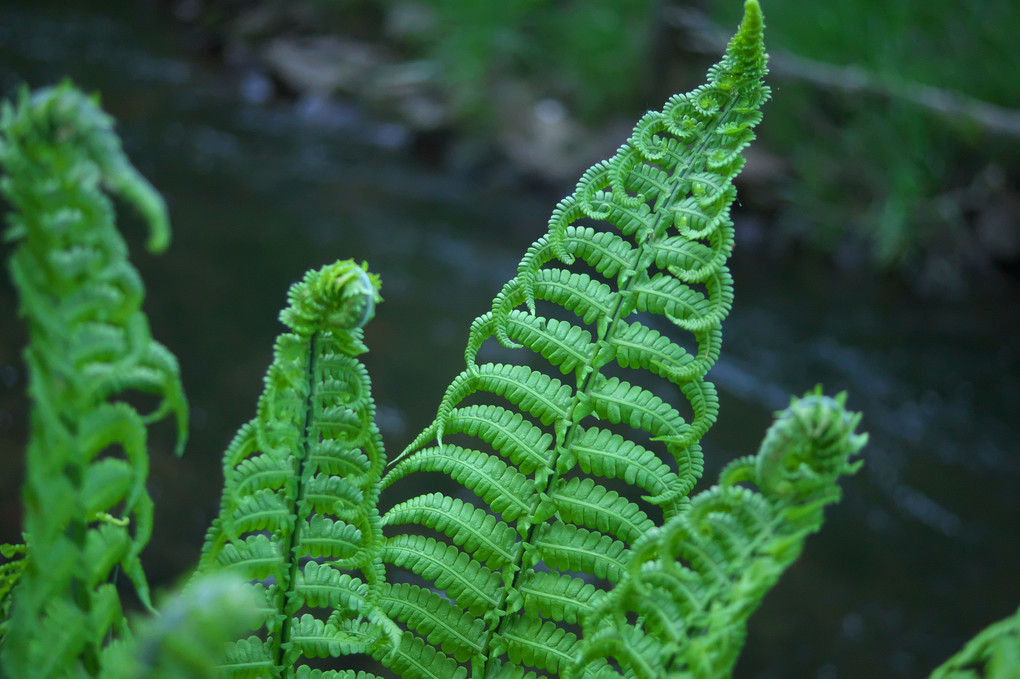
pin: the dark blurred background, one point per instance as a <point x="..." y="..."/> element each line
<point x="878" y="246"/>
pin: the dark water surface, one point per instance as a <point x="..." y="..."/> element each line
<point x="924" y="549"/>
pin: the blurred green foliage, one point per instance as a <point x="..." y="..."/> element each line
<point x="911" y="181"/>
<point x="591" y="54"/>
<point x="880" y="154"/>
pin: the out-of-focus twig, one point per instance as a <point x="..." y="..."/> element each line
<point x="707" y="37"/>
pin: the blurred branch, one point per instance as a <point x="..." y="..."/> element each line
<point x="707" y="37"/>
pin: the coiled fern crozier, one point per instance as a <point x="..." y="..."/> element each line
<point x="542" y="525"/>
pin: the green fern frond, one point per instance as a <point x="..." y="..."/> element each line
<point x="435" y="618"/>
<point x="583" y="502"/>
<point x="692" y="583"/>
<point x="87" y="511"/>
<point x="994" y="653"/>
<point x="248" y="659"/>
<point x="558" y="597"/>
<point x="624" y="295"/>
<point x="305" y="672"/>
<point x="569" y="548"/>
<point x="10" y="573"/>
<point x="471" y="584"/>
<point x="503" y="489"/>
<point x="185" y="641"/>
<point x="534" y="643"/>
<point x="301" y="482"/>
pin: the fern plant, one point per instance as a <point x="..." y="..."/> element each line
<point x="502" y="575"/>
<point x="693" y="583"/>
<point x="562" y="539"/>
<point x="993" y="653"/>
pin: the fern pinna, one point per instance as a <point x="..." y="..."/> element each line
<point x="87" y="511"/>
<point x="301" y="482"/>
<point x="538" y="537"/>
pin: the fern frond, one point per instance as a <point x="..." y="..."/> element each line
<point x="325" y="537"/>
<point x="500" y="486"/>
<point x="619" y="401"/>
<point x="994" y="653"/>
<point x="186" y="640"/>
<point x="436" y="618"/>
<point x="511" y="434"/>
<point x="415" y="659"/>
<point x="570" y="548"/>
<point x="584" y="503"/>
<point x="692" y="584"/>
<point x="301" y="482"/>
<point x="249" y="658"/>
<point x="311" y="637"/>
<point x="539" y="644"/>
<point x="608" y="455"/>
<point x="558" y="597"/>
<point x="87" y="510"/>
<point x="474" y="586"/>
<point x="10" y="573"/>
<point x="624" y="294"/>
<point x="304" y="672"/>
<point x="257" y="557"/>
<point x="534" y="392"/>
<point x="321" y="586"/>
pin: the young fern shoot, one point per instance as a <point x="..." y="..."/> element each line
<point x="693" y="583"/>
<point x="298" y="512"/>
<point x="87" y="511"/>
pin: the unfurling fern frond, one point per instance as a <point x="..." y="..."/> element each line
<point x="298" y="512"/>
<point x="87" y="511"/>
<point x="691" y="584"/>
<point x="994" y="653"/>
<point x="613" y="316"/>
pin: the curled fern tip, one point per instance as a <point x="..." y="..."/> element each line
<point x="340" y="296"/>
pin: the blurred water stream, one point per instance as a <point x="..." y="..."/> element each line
<point x="923" y="550"/>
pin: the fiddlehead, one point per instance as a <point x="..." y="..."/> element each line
<point x="692" y="584"/>
<point x="87" y="511"/>
<point x="619" y="305"/>
<point x="298" y="512"/>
